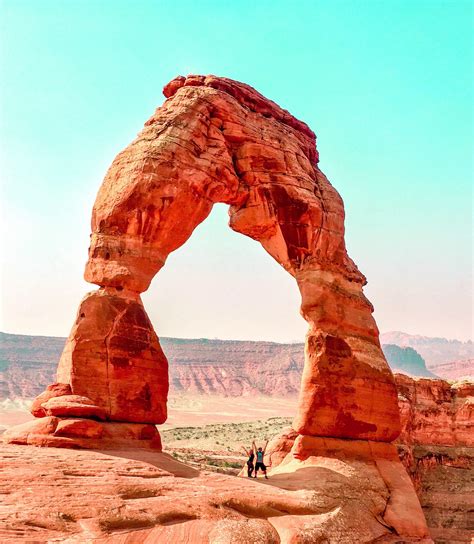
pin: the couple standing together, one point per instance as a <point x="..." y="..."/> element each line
<point x="258" y="453"/>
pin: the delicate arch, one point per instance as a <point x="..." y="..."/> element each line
<point x="217" y="140"/>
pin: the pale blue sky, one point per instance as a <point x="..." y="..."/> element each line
<point x="386" y="86"/>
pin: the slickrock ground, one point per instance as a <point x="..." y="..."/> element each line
<point x="62" y="495"/>
<point x="434" y="447"/>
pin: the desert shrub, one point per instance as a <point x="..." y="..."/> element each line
<point x="232" y="464"/>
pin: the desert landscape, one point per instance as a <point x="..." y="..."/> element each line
<point x="353" y="454"/>
<point x="247" y="333"/>
<point x="206" y="433"/>
<point x="206" y="429"/>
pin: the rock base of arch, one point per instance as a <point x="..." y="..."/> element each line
<point x="83" y="433"/>
<point x="345" y="491"/>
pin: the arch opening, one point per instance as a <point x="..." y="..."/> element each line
<point x="221" y="285"/>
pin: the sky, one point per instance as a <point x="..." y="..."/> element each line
<point x="386" y="86"/>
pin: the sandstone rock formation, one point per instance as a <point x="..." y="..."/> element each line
<point x="113" y="357"/>
<point x="337" y="495"/>
<point x="82" y="432"/>
<point x="436" y="412"/>
<point x="218" y="141"/>
<point x="436" y="446"/>
<point x="437" y="449"/>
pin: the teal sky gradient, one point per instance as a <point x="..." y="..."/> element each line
<point x="386" y="86"/>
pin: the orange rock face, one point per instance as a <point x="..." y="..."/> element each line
<point x="436" y="412"/>
<point x="84" y="433"/>
<point x="53" y="390"/>
<point x="437" y="448"/>
<point x="114" y="358"/>
<point x="215" y="140"/>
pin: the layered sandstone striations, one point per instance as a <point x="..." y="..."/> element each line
<point x="435" y="411"/>
<point x="456" y="369"/>
<point x="198" y="366"/>
<point x="27" y="364"/>
<point x="437" y="448"/>
<point x="234" y="368"/>
<point x="217" y="140"/>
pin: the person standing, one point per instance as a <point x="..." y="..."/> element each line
<point x="260" y="465"/>
<point x="251" y="457"/>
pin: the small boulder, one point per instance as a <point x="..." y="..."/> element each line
<point x="54" y="390"/>
<point x="73" y="406"/>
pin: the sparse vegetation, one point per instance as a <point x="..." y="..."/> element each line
<point x="230" y="436"/>
<point x="219" y="446"/>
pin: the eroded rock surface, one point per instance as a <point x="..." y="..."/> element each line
<point x="84" y="433"/>
<point x="341" y="495"/>
<point x="436" y="411"/>
<point x="437" y="448"/>
<point x="114" y="358"/>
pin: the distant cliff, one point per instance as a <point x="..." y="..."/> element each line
<point x="224" y="367"/>
<point x="437" y="448"/>
<point x="435" y="351"/>
<point x="201" y="366"/>
<point x="406" y="360"/>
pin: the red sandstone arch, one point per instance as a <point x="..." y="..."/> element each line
<point x="218" y="141"/>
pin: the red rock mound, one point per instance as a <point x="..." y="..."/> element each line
<point x="339" y="494"/>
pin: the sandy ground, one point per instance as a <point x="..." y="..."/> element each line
<point x="190" y="411"/>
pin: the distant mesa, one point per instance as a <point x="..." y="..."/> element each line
<point x="28" y="365"/>
<point x="406" y="360"/>
<point x="434" y="350"/>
